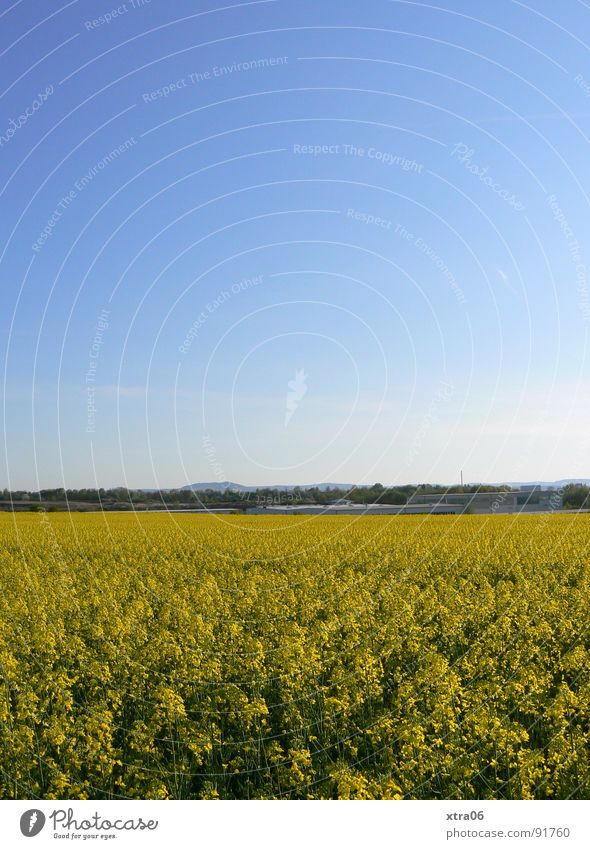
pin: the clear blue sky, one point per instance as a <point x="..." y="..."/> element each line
<point x="288" y="242"/>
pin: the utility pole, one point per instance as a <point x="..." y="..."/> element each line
<point x="461" y="477"/>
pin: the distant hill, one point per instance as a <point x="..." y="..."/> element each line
<point x="545" y="484"/>
<point x="217" y="486"/>
<point x="222" y="486"/>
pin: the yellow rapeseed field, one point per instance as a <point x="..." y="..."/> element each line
<point x="184" y="656"/>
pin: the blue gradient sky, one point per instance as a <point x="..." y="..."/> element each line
<point x="424" y="270"/>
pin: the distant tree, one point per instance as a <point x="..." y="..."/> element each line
<point x="576" y="496"/>
<point x="393" y="496"/>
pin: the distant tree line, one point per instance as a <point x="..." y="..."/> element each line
<point x="122" y="498"/>
<point x="575" y="497"/>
